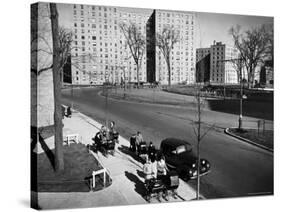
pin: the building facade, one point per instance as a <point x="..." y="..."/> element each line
<point x="221" y="70"/>
<point x="182" y="58"/>
<point x="267" y="74"/>
<point x="99" y="51"/>
<point x="201" y="53"/>
<point x="203" y="65"/>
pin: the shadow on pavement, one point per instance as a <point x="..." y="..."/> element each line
<point x="127" y="151"/>
<point x="139" y="185"/>
<point x="140" y="174"/>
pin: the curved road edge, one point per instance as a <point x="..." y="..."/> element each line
<point x="247" y="140"/>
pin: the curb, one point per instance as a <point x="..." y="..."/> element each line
<point x="247" y="140"/>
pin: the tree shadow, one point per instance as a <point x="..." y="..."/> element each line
<point x="139" y="185"/>
<point x="38" y="132"/>
<point x="47" y="150"/>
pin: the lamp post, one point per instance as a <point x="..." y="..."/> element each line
<point x="241" y="95"/>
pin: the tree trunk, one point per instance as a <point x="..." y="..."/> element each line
<point x="198" y="145"/>
<point x="138" y="81"/>
<point x="169" y="71"/>
<point x="59" y="162"/>
<point x="124" y="83"/>
<point x="249" y="79"/>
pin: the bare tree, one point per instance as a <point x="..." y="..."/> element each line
<point x="199" y="132"/>
<point x="165" y="42"/>
<point x="59" y="161"/>
<point x="64" y="49"/>
<point x="270" y="49"/>
<point x="50" y="47"/>
<point x="253" y="47"/>
<point x="135" y="40"/>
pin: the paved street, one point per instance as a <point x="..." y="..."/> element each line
<point x="238" y="169"/>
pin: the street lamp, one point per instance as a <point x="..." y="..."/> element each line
<point x="241" y="94"/>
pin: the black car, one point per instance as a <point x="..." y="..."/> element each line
<point x="179" y="156"/>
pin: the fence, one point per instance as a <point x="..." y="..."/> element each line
<point x="260" y="125"/>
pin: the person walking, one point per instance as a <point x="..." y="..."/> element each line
<point x="139" y="139"/>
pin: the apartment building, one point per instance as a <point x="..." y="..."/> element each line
<point x="99" y="52"/>
<point x="221" y="70"/>
<point x="201" y="53"/>
<point x="182" y="58"/>
<point x="202" y="74"/>
<point x="139" y="17"/>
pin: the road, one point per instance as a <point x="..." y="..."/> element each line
<point x="238" y="168"/>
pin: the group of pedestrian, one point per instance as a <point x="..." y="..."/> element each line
<point x="106" y="134"/>
<point x="135" y="142"/>
<point x="155" y="167"/>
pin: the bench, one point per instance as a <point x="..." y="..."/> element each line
<point x="71" y="137"/>
<point x="101" y="171"/>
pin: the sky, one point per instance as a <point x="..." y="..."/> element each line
<point x="215" y="26"/>
<point x="209" y="27"/>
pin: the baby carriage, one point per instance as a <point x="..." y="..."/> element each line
<point x="133" y="146"/>
<point x="114" y="136"/>
<point x="154" y="187"/>
<point x="171" y="181"/>
<point x="109" y="146"/>
<point x="142" y="150"/>
<point x="164" y="185"/>
<point x="104" y="145"/>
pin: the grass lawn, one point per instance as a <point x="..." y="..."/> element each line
<point x="78" y="168"/>
<point x="148" y="95"/>
<point x="182" y="96"/>
<point x="263" y="138"/>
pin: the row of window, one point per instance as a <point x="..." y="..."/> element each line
<point x="94" y="7"/>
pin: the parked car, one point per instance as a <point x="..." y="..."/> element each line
<point x="180" y="157"/>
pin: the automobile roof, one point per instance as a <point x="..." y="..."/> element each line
<point x="174" y="142"/>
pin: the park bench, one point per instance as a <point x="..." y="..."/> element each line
<point x="101" y="171"/>
<point x="71" y="137"/>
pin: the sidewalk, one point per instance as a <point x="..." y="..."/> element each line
<point x="126" y="173"/>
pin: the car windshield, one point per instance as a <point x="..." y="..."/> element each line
<point x="183" y="148"/>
